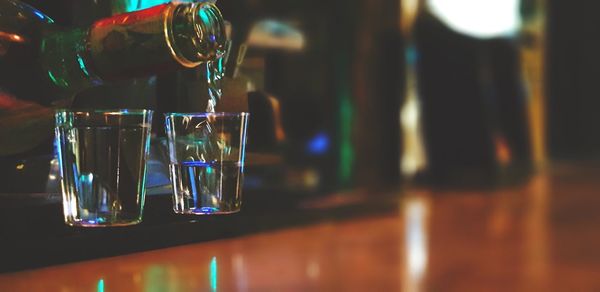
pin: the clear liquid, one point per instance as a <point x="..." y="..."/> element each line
<point x="207" y="188"/>
<point x="215" y="71"/>
<point x="103" y="174"/>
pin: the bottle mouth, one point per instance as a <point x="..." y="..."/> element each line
<point x="196" y="33"/>
<point x="210" y="22"/>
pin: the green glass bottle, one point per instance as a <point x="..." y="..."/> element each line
<point x="43" y="66"/>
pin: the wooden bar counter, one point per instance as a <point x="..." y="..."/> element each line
<point x="542" y="235"/>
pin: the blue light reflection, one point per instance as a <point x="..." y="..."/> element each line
<point x="319" y="144"/>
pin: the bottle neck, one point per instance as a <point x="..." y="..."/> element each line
<point x="65" y="59"/>
<point x="196" y="33"/>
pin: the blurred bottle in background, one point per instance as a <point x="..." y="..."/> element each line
<point x="339" y="94"/>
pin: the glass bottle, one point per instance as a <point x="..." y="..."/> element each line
<point x="161" y="38"/>
<point x="43" y="66"/>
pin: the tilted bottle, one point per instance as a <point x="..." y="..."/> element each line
<point x="43" y="65"/>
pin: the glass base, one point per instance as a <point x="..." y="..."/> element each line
<point x="102" y="223"/>
<point x="206" y="211"/>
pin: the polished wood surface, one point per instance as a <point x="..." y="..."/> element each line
<point x="543" y="235"/>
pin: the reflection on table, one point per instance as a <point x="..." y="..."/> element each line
<point x="539" y="236"/>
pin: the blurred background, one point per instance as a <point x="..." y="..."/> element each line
<point x="378" y="94"/>
<point x="352" y="100"/>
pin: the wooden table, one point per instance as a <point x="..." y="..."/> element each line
<point x="543" y="235"/>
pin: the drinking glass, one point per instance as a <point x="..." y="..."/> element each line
<point x="102" y="157"/>
<point x="206" y="161"/>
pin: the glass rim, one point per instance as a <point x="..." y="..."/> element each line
<point x="105" y="111"/>
<point x="207" y="114"/>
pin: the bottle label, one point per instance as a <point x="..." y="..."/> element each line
<point x="132" y="44"/>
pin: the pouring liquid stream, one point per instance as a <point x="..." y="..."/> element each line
<point x="215" y="71"/>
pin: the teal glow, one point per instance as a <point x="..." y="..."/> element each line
<point x="59" y="82"/>
<point x="346" y="112"/>
<point x="134" y="5"/>
<point x="52" y="77"/>
<point x="82" y="65"/>
<point x="130" y="5"/>
<point x="204" y="16"/>
<point x="213" y="274"/>
<point x="220" y="62"/>
<point x="100" y="285"/>
<point x="143" y="4"/>
<point x="346" y="151"/>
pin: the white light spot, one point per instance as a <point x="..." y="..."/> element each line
<point x="478" y="18"/>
